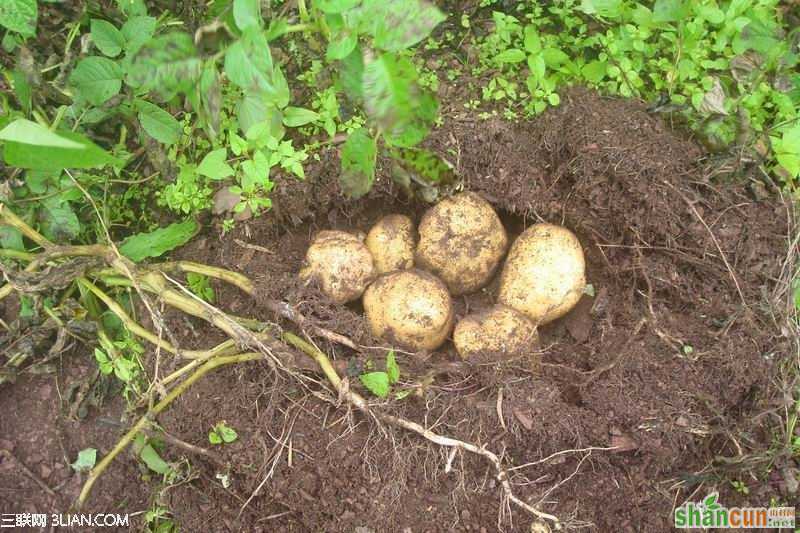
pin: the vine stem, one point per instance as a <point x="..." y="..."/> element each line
<point x="149" y="416"/>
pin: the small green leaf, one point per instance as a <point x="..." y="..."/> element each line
<point x="86" y="460"/>
<point x="247" y="14"/>
<point x="594" y="71"/>
<point x="351" y="75"/>
<point x="137" y="31"/>
<point x="214" y="165"/>
<point x="341" y="45"/>
<point x="228" y="434"/>
<point x="298" y="116"/>
<point x="108" y="39"/>
<point x="103" y="362"/>
<point x="213" y="437"/>
<point x="511" y="55"/>
<point x="167" y="64"/>
<point x="159" y="124"/>
<point x="377" y="383"/>
<point x="19" y="15"/>
<point x="669" y="10"/>
<point x="158" y="242"/>
<point x="154" y="462"/>
<point x="97" y="79"/>
<point x="392" y="368"/>
<point x="358" y="163"/>
<point x="11" y="239"/>
<point x="59" y="222"/>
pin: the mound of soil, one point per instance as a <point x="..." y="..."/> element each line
<point x="645" y="394"/>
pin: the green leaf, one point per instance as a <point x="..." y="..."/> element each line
<point x="341" y="45"/>
<point x="510" y="56"/>
<point x="108" y="39"/>
<point x="358" y="163"/>
<point x="137" y="31"/>
<point x="392" y="368"/>
<point x="59" y="222"/>
<point x="594" y="71"/>
<point x="167" y="64"/>
<point x="31" y="145"/>
<point x="159" y="124"/>
<point x="103" y="362"/>
<point x="602" y="8"/>
<point x="398" y="24"/>
<point x="298" y="116"/>
<point x="228" y="434"/>
<point x="86" y="460"/>
<point x="351" y="75"/>
<point x="19" y="15"/>
<point x="97" y="79"/>
<point x="154" y="462"/>
<point x="377" y="383"/>
<point x="11" y="239"/>
<point x="255" y="109"/>
<point x="247" y="14"/>
<point x="335" y="6"/>
<point x="669" y="10"/>
<point x="248" y="63"/>
<point x="158" y="242"/>
<point x="215" y="166"/>
<point x="400" y="108"/>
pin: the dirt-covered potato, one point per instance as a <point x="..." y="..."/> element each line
<point x="500" y="331"/>
<point x="341" y="263"/>
<point x="545" y="273"/>
<point x="410" y="308"/>
<point x="391" y="243"/>
<point x="461" y="240"/>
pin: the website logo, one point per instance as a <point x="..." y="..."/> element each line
<point x="710" y="513"/>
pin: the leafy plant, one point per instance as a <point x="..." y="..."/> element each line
<point x="85" y="461"/>
<point x="221" y="433"/>
<point x="379" y="383"/>
<point x="199" y="284"/>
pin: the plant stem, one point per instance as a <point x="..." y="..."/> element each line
<point x="10" y="219"/>
<point x="301" y="7"/>
<point x="234" y="278"/>
<point x="149" y="416"/>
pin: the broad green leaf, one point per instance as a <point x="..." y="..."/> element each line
<point x="215" y="166"/>
<point x="11" y="239"/>
<point x="85" y="461"/>
<point x="137" y="31"/>
<point x="351" y="75"/>
<point x="341" y="45"/>
<point x="398" y="24"/>
<point x="602" y="8"/>
<point x="532" y="42"/>
<point x="132" y="8"/>
<point x="669" y="10"/>
<point x="103" y="362"/>
<point x="248" y="62"/>
<point x="335" y="6"/>
<point x="358" y="163"/>
<point x="58" y="221"/>
<point x="393" y="100"/>
<point x="19" y="15"/>
<point x="255" y="108"/>
<point x="158" y="242"/>
<point x="510" y="56"/>
<point x="758" y="35"/>
<point x="97" y="79"/>
<point x="154" y="462"/>
<point x="31" y="145"/>
<point x="377" y="383"/>
<point x="167" y="64"/>
<point x="108" y="39"/>
<point x="594" y="71"/>
<point x="213" y="437"/>
<point x="298" y="116"/>
<point x="247" y="14"/>
<point x="159" y="124"/>
<point x="392" y="368"/>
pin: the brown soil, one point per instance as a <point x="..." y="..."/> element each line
<point x="671" y="362"/>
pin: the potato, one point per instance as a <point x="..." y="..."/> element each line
<point x="341" y="263"/>
<point x="410" y="308"/>
<point x="499" y="330"/>
<point x="545" y="273"/>
<point x="461" y="240"/>
<point x="391" y="243"/>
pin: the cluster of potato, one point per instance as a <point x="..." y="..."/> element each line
<point x="408" y="285"/>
